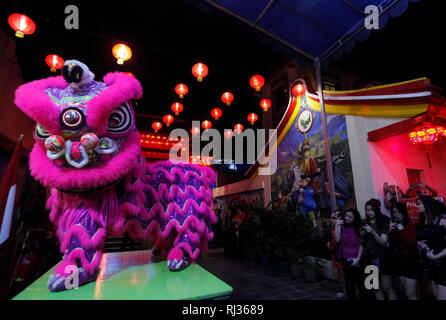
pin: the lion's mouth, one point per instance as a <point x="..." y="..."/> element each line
<point x="76" y="155"/>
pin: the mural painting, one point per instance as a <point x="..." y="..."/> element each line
<point x="301" y="181"/>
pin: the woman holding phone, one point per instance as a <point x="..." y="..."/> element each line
<point x="348" y="237"/>
<point x="375" y="235"/>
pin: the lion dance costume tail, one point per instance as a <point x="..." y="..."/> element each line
<point x="88" y="151"/>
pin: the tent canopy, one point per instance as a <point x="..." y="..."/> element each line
<point x="314" y="28"/>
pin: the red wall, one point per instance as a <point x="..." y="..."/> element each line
<point x="390" y="158"/>
<point x="13" y="122"/>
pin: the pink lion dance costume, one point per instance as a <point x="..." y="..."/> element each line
<point x="88" y="151"/>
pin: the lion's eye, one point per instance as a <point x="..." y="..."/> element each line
<point x="41" y="132"/>
<point x="120" y="120"/>
<point x="72" y="118"/>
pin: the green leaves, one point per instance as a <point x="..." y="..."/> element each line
<point x="283" y="233"/>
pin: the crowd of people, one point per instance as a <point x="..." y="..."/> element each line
<point x="410" y="256"/>
<point x="413" y="254"/>
<point x="238" y="232"/>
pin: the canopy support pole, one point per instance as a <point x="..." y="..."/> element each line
<point x="329" y="168"/>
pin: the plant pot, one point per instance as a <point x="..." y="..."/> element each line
<point x="296" y="270"/>
<point x="284" y="265"/>
<point x="274" y="262"/>
<point x="265" y="259"/>
<point x="311" y="275"/>
<point x="251" y="255"/>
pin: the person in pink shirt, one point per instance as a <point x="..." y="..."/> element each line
<point x="348" y="237"/>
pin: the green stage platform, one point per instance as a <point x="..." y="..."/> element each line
<point x="133" y="275"/>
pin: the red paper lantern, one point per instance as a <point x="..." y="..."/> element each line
<point x="21" y="24"/>
<point x="122" y="52"/>
<point x="426" y="137"/>
<point x="176" y="107"/>
<point x="195" y="131"/>
<point x="200" y="70"/>
<point x="298" y="89"/>
<point x="216" y="113"/>
<point x="227" y="98"/>
<point x="206" y="124"/>
<point x="168" y="119"/>
<point x="252" y="117"/>
<point x="228" y="134"/>
<point x="181" y="89"/>
<point x="257" y="82"/>
<point x="130" y="74"/>
<point x="157" y="126"/>
<point x="54" y="61"/>
<point x="265" y="104"/>
<point x="238" y="128"/>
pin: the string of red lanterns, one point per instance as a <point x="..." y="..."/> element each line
<point x="181" y="89"/>
<point x="195" y="131"/>
<point x="238" y="128"/>
<point x="216" y="113"/>
<point x="228" y="134"/>
<point x="157" y="141"/>
<point x="265" y="104"/>
<point x="227" y="98"/>
<point x="257" y="82"/>
<point x="252" y="117"/>
<point x="298" y="89"/>
<point x="157" y="126"/>
<point x="168" y="119"/>
<point x="200" y="70"/>
<point x="177" y="108"/>
<point x="202" y="161"/>
<point x="206" y="124"/>
<point x="21" y="24"/>
<point x="54" y="62"/>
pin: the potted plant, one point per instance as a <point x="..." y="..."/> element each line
<point x="311" y="270"/>
<point x="300" y="230"/>
<point x="296" y="265"/>
<point x="265" y="242"/>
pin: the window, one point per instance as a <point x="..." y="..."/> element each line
<point x="415" y="176"/>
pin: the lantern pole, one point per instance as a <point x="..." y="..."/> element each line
<point x="329" y="168"/>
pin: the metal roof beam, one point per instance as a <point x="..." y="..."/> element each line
<point x="269" y="34"/>
<point x="353" y="6"/>
<point x="263" y="12"/>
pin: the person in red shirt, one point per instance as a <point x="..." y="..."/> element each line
<point x="237" y="222"/>
<point x="332" y="247"/>
<point x="403" y="245"/>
